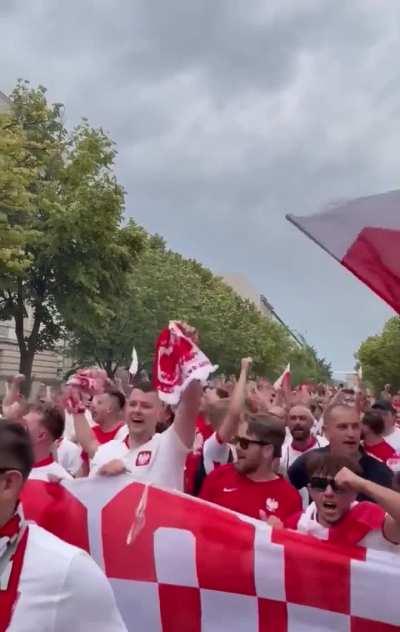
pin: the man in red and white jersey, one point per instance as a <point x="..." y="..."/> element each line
<point x="336" y="516"/>
<point x="108" y="411"/>
<point x="152" y="457"/>
<point x="46" y="585"/>
<point x="300" y="422"/>
<point x="392" y="432"/>
<point x="250" y="486"/>
<point x="45" y="425"/>
<point x="373" y="432"/>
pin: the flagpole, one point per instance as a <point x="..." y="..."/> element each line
<point x="292" y="219"/>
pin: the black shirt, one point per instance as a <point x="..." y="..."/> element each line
<point x="373" y="470"/>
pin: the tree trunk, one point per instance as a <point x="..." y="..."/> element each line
<point x="25" y="367"/>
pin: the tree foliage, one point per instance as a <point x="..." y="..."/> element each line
<point x="379" y="357"/>
<point x="165" y="286"/>
<point x="306" y="366"/>
<point x="63" y="245"/>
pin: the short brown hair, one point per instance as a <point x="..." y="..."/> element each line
<point x="268" y="428"/>
<point x="15" y="447"/>
<point x="375" y="422"/>
<point x="327" y="464"/>
<point x="52" y="418"/>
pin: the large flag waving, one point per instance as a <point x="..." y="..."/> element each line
<point x="179" y="564"/>
<point x="364" y="236"/>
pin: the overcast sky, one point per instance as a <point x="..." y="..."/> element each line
<point x="227" y="115"/>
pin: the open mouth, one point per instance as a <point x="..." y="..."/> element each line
<point x="329" y="505"/>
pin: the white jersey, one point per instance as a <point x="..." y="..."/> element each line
<point x="62" y="590"/>
<point x="41" y="472"/>
<point x="160" y="461"/>
<point x="69" y="456"/>
<point x="290" y="454"/>
<point x="393" y="439"/>
<point x="216" y="452"/>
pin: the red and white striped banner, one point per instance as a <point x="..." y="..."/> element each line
<point x="364" y="236"/>
<point x="193" y="567"/>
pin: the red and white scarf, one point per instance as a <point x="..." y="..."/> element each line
<point x="13" y="539"/>
<point x="178" y="361"/>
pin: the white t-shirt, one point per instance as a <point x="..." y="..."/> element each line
<point x="62" y="590"/>
<point x="69" y="456"/>
<point x="290" y="454"/>
<point x="160" y="461"/>
<point x="216" y="452"/>
<point x="42" y="472"/>
<point x="393" y="439"/>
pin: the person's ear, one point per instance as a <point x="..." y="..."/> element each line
<point x="10" y="484"/>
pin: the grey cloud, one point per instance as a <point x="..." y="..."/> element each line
<point x="226" y="116"/>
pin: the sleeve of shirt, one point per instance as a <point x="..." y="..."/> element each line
<point x="297" y="473"/>
<point x="171" y="459"/>
<point x="88" y="600"/>
<point x="215" y="451"/>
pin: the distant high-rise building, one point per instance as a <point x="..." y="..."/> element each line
<point x="242" y="286"/>
<point x="4" y="102"/>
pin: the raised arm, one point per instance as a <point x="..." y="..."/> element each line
<point x="231" y="421"/>
<point x="11" y="407"/>
<point x="186" y="413"/>
<point x="83" y="431"/>
<point x="387" y="498"/>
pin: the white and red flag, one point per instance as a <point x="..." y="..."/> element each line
<point x="364" y="236"/>
<point x="179" y="564"/>
<point x="284" y="382"/>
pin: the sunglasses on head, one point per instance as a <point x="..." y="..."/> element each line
<point x="244" y="442"/>
<point x="320" y="484"/>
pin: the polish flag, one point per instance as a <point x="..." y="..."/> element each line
<point x="364" y="236"/>
<point x="284" y="381"/>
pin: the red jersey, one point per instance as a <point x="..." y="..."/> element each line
<point x="103" y="436"/>
<point x="382" y="451"/>
<point x="225" y="486"/>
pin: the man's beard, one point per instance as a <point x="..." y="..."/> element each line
<point x="243" y="467"/>
<point x="300" y="434"/>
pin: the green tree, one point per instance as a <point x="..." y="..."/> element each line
<point x="307" y="366"/>
<point x="166" y="286"/>
<point x="65" y="253"/>
<point x="379" y="357"/>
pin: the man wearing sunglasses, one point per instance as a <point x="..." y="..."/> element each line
<point x="343" y="430"/>
<point x="336" y="516"/>
<point x="250" y="486"/>
<point x="46" y="584"/>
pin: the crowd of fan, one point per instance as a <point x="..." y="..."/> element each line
<point x="320" y="459"/>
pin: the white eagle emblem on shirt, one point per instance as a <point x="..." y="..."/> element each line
<point x="271" y="504"/>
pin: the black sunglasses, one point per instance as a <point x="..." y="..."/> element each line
<point x="244" y="443"/>
<point x="320" y="483"/>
